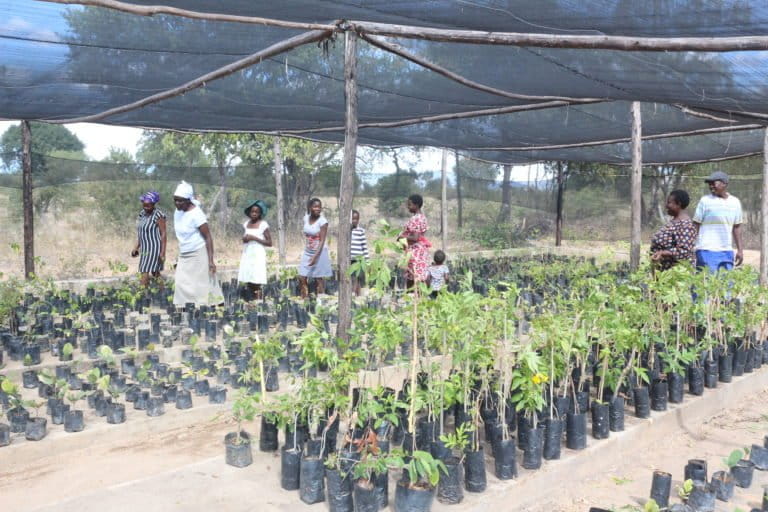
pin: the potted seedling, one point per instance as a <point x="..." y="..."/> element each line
<point x="17" y="413"/>
<point x="723" y="481"/>
<point x="416" y="491"/>
<point x="367" y="471"/>
<point x="449" y="490"/>
<point x="73" y="419"/>
<point x="238" y="443"/>
<point x="65" y="354"/>
<point x="36" y="428"/>
<point x="58" y="388"/>
<point x="742" y="470"/>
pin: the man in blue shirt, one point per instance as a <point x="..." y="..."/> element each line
<point x="718" y="219"/>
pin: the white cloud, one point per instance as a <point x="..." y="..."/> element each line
<point x="98" y="138"/>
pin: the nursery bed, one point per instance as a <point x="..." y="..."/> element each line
<point x="182" y="467"/>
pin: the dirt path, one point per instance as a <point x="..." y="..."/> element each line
<point x="183" y="469"/>
<point x="628" y="482"/>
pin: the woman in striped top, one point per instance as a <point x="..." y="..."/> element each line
<point x="358" y="251"/>
<point x="150" y="227"/>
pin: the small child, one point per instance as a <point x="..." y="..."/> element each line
<point x="438" y="273"/>
<point x="358" y="251"/>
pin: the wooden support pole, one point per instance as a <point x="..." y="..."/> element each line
<point x="347" y="187"/>
<point x="764" y="216"/>
<point x="256" y="58"/>
<point x="459" y="198"/>
<point x="278" y="155"/>
<point x="506" y="195"/>
<point x="421" y="61"/>
<point x="637" y="186"/>
<point x="28" y="205"/>
<point x="559" y="207"/>
<point x="539" y="40"/>
<point x="444" y="201"/>
<point x="440" y="117"/>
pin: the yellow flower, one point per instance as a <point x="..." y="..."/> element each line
<point x="539" y="378"/>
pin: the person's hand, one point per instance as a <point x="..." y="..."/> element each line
<point x="313" y="261"/>
<point x="211" y="268"/>
<point x="739" y="257"/>
<point x="134" y="253"/>
<point x="161" y="258"/>
<point x="656" y="256"/>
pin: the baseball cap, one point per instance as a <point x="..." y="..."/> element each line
<point x="717" y="176"/>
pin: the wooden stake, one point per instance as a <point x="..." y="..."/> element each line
<point x="559" y="207"/>
<point x="506" y="208"/>
<point x="28" y="205"/>
<point x="764" y="216"/>
<point x="438" y="117"/>
<point x="271" y="51"/>
<point x="444" y="201"/>
<point x="637" y="184"/>
<point x="278" y="155"/>
<point x="347" y="187"/>
<point x="625" y="43"/>
<point x="459" y="197"/>
<point x="151" y="10"/>
<point x="402" y="52"/>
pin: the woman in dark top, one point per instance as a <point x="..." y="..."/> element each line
<point x="151" y="238"/>
<point x="675" y="241"/>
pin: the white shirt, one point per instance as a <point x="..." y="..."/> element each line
<point x="187" y="224"/>
<point x="717" y="217"/>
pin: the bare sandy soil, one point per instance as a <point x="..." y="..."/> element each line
<point x="182" y="468"/>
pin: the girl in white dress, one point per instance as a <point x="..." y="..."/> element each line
<point x="253" y="262"/>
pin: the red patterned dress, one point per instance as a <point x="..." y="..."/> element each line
<point x="418" y="263"/>
<point x="679" y="237"/>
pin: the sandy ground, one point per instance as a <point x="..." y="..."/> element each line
<point x="182" y="468"/>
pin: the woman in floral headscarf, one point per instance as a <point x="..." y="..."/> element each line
<point x="151" y="237"/>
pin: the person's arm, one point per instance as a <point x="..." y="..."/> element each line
<point x="206" y="233"/>
<point x="446" y="275"/>
<point x="323" y="235"/>
<point x="161" y="225"/>
<point x="267" y="240"/>
<point x="739" y="245"/>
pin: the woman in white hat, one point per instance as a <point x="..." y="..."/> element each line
<point x="195" y="279"/>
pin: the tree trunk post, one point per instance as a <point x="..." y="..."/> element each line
<point x="637" y="184"/>
<point x="505" y="211"/>
<point x="764" y="216"/>
<point x="28" y="205"/>
<point x="347" y="187"/>
<point x="278" y="156"/>
<point x="458" y="191"/>
<point x="444" y="200"/>
<point x="559" y="207"/>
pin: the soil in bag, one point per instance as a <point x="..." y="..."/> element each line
<point x="576" y="431"/>
<point x="553" y="438"/>
<point x="725" y="367"/>
<point x="660" y="488"/>
<point x="409" y="499"/>
<point x="474" y="471"/>
<point x="600" y="421"/>
<point x="450" y="489"/>
<point x="722" y="484"/>
<point x="339" y="491"/>
<point x="659" y="392"/>
<point x="642" y="402"/>
<point x="742" y="473"/>
<point x="312" y="480"/>
<point x="290" y="460"/>
<point x="238" y="449"/>
<point x="505" y="459"/>
<point x="675" y="383"/>
<point x="616" y="414"/>
<point x="532" y="450"/>
<point x="268" y="436"/>
<point x="696" y="380"/>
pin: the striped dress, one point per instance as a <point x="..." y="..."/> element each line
<point x="359" y="244"/>
<point x="149" y="241"/>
